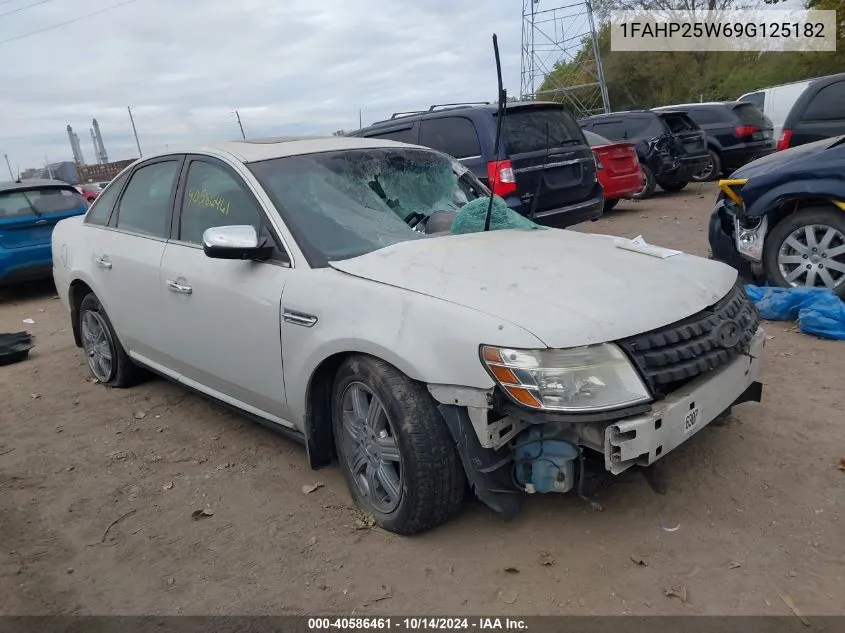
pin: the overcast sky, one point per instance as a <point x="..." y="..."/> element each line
<point x="289" y="66"/>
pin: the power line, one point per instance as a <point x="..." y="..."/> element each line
<point x="66" y="22"/>
<point x="24" y="8"/>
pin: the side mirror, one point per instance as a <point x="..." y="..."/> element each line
<point x="234" y="242"/>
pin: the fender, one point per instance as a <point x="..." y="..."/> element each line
<point x="828" y="189"/>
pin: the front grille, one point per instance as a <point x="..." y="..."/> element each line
<point x="671" y="356"/>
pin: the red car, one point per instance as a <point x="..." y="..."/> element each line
<point x="618" y="169"/>
<point x="89" y="191"/>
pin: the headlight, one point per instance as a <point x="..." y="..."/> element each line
<point x="574" y="380"/>
<point x="750" y="240"/>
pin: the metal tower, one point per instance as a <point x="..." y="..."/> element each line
<point x="564" y="37"/>
<point x="78" y="158"/>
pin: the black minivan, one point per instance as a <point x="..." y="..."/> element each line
<point x="545" y="168"/>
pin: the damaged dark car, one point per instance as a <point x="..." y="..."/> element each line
<point x="781" y="219"/>
<point x="670" y="146"/>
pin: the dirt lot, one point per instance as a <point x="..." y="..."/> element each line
<point x="97" y="488"/>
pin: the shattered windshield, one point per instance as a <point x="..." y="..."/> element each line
<point x="346" y="203"/>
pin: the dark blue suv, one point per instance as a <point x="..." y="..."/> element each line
<point x="545" y="167"/>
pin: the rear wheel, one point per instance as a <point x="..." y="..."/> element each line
<point x="106" y="357"/>
<point x="808" y="249"/>
<point x="396" y="453"/>
<point x="648" y="184"/>
<point x="609" y="204"/>
<point x="711" y="171"/>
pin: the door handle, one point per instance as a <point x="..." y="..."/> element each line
<point x="175" y="286"/>
<point x="103" y="262"/>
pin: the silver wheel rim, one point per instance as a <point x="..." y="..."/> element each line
<point x="370" y="448"/>
<point x="813" y="256"/>
<point x="97" y="344"/>
<point x="641" y="192"/>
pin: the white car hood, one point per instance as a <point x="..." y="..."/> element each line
<point x="566" y="288"/>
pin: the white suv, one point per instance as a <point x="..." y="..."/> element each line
<point x="305" y="283"/>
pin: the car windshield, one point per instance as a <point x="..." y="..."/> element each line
<point x="39" y="201"/>
<point x="347" y="203"/>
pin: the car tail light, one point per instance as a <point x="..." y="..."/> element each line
<point x="746" y="130"/>
<point x="501" y="177"/>
<point x="598" y="161"/>
<point x="783" y="141"/>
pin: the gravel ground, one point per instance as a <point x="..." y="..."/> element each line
<point x="97" y="488"/>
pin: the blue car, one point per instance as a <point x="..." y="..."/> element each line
<point x="29" y="210"/>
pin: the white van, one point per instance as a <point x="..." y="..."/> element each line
<point x="777" y="101"/>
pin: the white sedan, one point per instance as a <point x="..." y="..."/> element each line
<point x="321" y="286"/>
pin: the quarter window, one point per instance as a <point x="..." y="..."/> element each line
<point x="214" y="197"/>
<point x="146" y="203"/>
<point x="455" y="136"/>
<point x="404" y="135"/>
<point x="827" y="105"/>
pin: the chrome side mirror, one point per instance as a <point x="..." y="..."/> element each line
<point x="234" y="242"/>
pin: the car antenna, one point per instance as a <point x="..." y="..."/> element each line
<point x="500" y="115"/>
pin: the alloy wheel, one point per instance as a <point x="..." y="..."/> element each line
<point x="370" y="448"/>
<point x="97" y="345"/>
<point x="813" y="255"/>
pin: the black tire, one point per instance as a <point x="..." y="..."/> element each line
<point x="432" y="481"/>
<point x="123" y="372"/>
<point x="649" y="184"/>
<point x="712" y="171"/>
<point x="672" y="185"/>
<point x="609" y="204"/>
<point x="820" y="216"/>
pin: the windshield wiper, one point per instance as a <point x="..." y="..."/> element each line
<point x="31" y="206"/>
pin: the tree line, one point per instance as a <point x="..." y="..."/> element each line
<point x="651" y="79"/>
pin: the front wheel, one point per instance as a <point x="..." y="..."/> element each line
<point x="106" y="357"/>
<point x="808" y="249"/>
<point x="397" y="455"/>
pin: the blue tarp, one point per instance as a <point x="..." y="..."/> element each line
<point x="819" y="312"/>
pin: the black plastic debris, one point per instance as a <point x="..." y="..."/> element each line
<point x="14" y="347"/>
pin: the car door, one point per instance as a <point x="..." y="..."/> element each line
<point x="222" y="318"/>
<point x="128" y="254"/>
<point x="820" y="113"/>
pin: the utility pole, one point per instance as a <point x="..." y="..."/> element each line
<point x="135" y="132"/>
<point x="360" y="124"/>
<point x="240" y="125"/>
<point x="9" y="165"/>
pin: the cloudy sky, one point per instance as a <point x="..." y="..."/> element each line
<point x="288" y="66"/>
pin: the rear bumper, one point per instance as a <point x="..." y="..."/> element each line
<point x="573" y="214"/>
<point x="689" y="165"/>
<point x="25" y="264"/>
<point x="622" y="186"/>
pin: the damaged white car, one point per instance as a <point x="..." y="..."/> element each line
<point x="334" y="289"/>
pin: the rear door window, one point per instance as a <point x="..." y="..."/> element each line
<point x="610" y="129"/>
<point x="455" y="136"/>
<point x="644" y="126"/>
<point x="827" y="105"/>
<point x="404" y="135"/>
<point x="148" y="199"/>
<point x="35" y="202"/>
<point x="536" y="129"/>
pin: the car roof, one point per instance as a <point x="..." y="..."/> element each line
<point x="259" y="149"/>
<point x="34" y="183"/>
<point x="446" y="110"/>
<point x="699" y="105"/>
